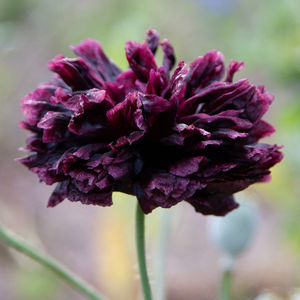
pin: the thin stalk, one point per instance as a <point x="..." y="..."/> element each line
<point x="159" y="289"/>
<point x="140" y="245"/>
<point x="226" y="285"/>
<point x="18" y="243"/>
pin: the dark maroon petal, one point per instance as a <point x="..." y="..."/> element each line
<point x="226" y="133"/>
<point x="67" y="189"/>
<point x="181" y="185"/>
<point x="225" y="119"/>
<point x="66" y="99"/>
<point x="169" y="56"/>
<point x="128" y="139"/>
<point x="157" y="192"/>
<point x="173" y="139"/>
<point x="140" y="59"/>
<point x="44" y="166"/>
<point x="68" y="73"/>
<point x="105" y="182"/>
<point x="235" y="153"/>
<point x="181" y="132"/>
<point x="64" y="163"/>
<point x="124" y="84"/>
<point x="85" y="179"/>
<point x="87" y="185"/>
<point x="152" y="40"/>
<point x="219" y="97"/>
<point x="249" y="164"/>
<point x="187" y="166"/>
<point x="34" y="159"/>
<point x="60" y="82"/>
<point x="33" y="128"/>
<point x="161" y="182"/>
<point x="177" y="79"/>
<point x="236" y="99"/>
<point x="260" y="130"/>
<point x="273" y="155"/>
<point x="127" y="116"/>
<point x="226" y="187"/>
<point x="120" y="170"/>
<point x="59" y="194"/>
<point x="82" y="163"/>
<point x="204" y="70"/>
<point x="124" y="155"/>
<point x="38" y="102"/>
<point x="40" y="94"/>
<point x="146" y="205"/>
<point x="258" y="105"/>
<point x="202" y="145"/>
<point x="126" y="80"/>
<point x="193" y="186"/>
<point x="91" y="51"/>
<point x="162" y="122"/>
<point x="214" y="205"/>
<point x="141" y="86"/>
<point x="190" y="130"/>
<point x="91" y="115"/>
<point x="87" y="151"/>
<point x="48" y="175"/>
<point x="55" y="126"/>
<point x="94" y="197"/>
<point x="233" y="67"/>
<point x="158" y="83"/>
<point x="211" y="169"/>
<point x="34" y="142"/>
<point x="88" y="72"/>
<point x="34" y="110"/>
<point x="153" y="104"/>
<point x="115" y="92"/>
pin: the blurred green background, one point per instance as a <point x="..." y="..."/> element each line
<point x="98" y="243"/>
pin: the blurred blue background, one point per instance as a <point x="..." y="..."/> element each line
<point x="98" y="243"/>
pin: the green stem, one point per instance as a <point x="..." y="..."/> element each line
<point x="226" y="285"/>
<point x="159" y="289"/>
<point x="44" y="259"/>
<point x="140" y="244"/>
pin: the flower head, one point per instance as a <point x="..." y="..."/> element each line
<point x="165" y="138"/>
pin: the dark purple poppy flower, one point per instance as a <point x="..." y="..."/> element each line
<point x="164" y="138"/>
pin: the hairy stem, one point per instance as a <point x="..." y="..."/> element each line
<point x="140" y="245"/>
<point x="18" y="243"/>
<point x="159" y="289"/>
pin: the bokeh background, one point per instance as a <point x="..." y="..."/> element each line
<point x="98" y="243"/>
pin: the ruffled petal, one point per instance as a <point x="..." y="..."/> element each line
<point x="233" y="67"/>
<point x="152" y="40"/>
<point x="214" y="205"/>
<point x="203" y="71"/>
<point x="91" y="113"/>
<point x="91" y="51"/>
<point x="55" y="127"/>
<point x="140" y="59"/>
<point x="127" y="116"/>
<point x="169" y="56"/>
<point x="68" y="73"/>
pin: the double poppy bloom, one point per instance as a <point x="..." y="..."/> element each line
<point x="166" y="138"/>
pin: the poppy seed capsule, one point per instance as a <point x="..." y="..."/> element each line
<point x="233" y="233"/>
